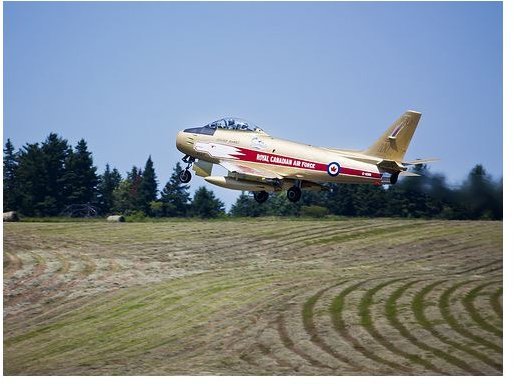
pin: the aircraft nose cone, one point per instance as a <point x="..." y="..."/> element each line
<point x="183" y="142"/>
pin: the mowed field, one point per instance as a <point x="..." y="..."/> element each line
<point x="253" y="297"/>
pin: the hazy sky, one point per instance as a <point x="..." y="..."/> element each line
<point x="128" y="76"/>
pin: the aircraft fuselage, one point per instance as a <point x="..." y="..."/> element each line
<point x="289" y="159"/>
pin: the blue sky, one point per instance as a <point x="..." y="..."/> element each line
<point x="128" y="76"/>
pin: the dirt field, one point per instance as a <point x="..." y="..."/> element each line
<point x="256" y="297"/>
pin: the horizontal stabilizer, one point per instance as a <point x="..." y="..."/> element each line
<point x="421" y="161"/>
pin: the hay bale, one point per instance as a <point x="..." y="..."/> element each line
<point x="116" y="219"/>
<point x="11" y="216"/>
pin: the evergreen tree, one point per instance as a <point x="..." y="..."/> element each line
<point x="279" y="205"/>
<point x="126" y="194"/>
<point x="11" y="195"/>
<point x="340" y="200"/>
<point x="133" y="184"/>
<point x="108" y="182"/>
<point x="55" y="150"/>
<point x="206" y="205"/>
<point x="148" y="188"/>
<point x="175" y="195"/>
<point x="123" y="200"/>
<point x="246" y="206"/>
<point x="80" y="180"/>
<point x="31" y="179"/>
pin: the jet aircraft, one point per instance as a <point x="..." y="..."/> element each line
<point x="260" y="163"/>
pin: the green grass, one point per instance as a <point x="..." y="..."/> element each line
<point x="418" y="307"/>
<point x="242" y="296"/>
<point x="468" y="302"/>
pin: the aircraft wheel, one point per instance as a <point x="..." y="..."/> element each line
<point x="261" y="196"/>
<point x="294" y="193"/>
<point x="394" y="178"/>
<point x="185" y="176"/>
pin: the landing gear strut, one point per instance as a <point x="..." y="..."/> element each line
<point x="261" y="196"/>
<point x="185" y="175"/>
<point x="294" y="194"/>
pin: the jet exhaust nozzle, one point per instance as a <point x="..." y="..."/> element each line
<point x="386" y="180"/>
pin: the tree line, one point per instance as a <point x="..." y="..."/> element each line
<point x="479" y="197"/>
<point x="43" y="179"/>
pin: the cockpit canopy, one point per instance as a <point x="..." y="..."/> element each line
<point x="233" y="124"/>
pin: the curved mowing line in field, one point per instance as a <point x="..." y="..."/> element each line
<point x="57" y="287"/>
<point x="65" y="264"/>
<point x="290" y="345"/>
<point x="468" y="302"/>
<point x="229" y="243"/>
<point x="367" y="322"/>
<point x="310" y="328"/>
<point x="336" y="308"/>
<point x="37" y="270"/>
<point x="444" y="306"/>
<point x="496" y="303"/>
<point x="109" y="342"/>
<point x="476" y="268"/>
<point x="370" y="234"/>
<point x="392" y="316"/>
<point x="153" y="298"/>
<point x="299" y="235"/>
<point x="326" y="231"/>
<point x="15" y="264"/>
<point x="265" y="350"/>
<point x="186" y="322"/>
<point x="107" y="310"/>
<point x="379" y="261"/>
<point x="418" y="307"/>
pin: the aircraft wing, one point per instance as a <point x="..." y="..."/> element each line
<point x="250" y="171"/>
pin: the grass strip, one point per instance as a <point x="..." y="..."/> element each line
<point x="367" y="322"/>
<point x="468" y="302"/>
<point x="444" y="306"/>
<point x="418" y="307"/>
<point x="336" y="309"/>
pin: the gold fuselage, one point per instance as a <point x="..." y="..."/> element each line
<point x="290" y="160"/>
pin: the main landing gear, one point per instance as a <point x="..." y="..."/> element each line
<point x="185" y="175"/>
<point x="294" y="194"/>
<point x="261" y="196"/>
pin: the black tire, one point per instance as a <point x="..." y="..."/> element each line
<point x="261" y="196"/>
<point x="185" y="176"/>
<point x="294" y="194"/>
<point x="394" y="178"/>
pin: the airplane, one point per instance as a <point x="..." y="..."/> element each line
<point x="259" y="163"/>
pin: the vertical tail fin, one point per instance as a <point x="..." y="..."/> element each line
<point x="393" y="144"/>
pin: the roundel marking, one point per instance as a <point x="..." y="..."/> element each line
<point x="333" y="169"/>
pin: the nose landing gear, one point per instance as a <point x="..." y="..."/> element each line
<point x="185" y="175"/>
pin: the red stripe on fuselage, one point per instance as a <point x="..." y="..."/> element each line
<point x="280" y="160"/>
